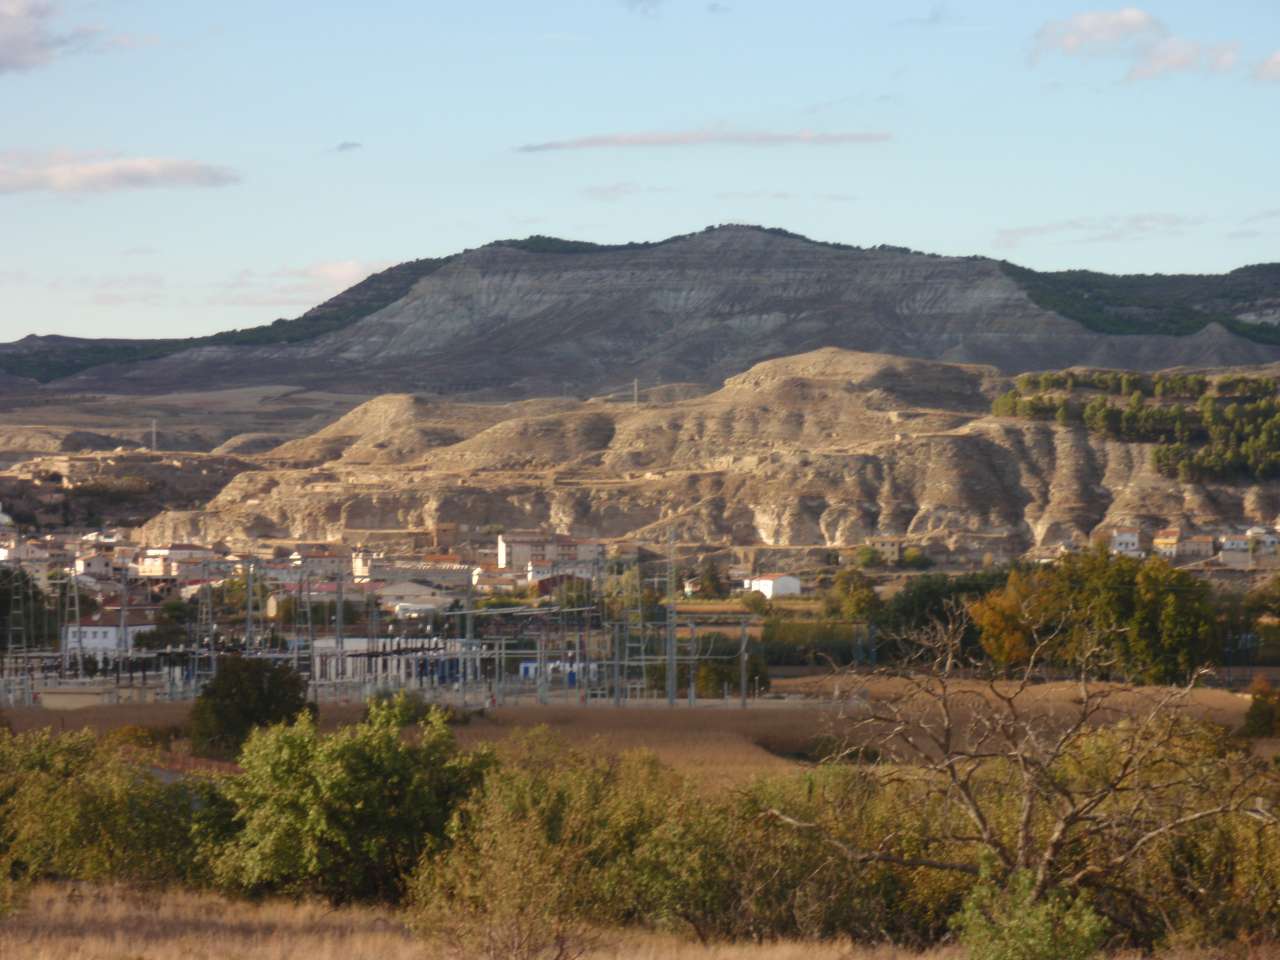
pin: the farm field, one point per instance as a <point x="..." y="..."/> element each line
<point x="65" y="923"/>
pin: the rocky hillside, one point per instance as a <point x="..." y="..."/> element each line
<point x="822" y="448"/>
<point x="545" y="317"/>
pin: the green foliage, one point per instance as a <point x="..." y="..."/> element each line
<point x="852" y="597"/>
<point x="793" y="643"/>
<point x="1008" y="923"/>
<point x="868" y="556"/>
<point x="1262" y="719"/>
<point x="1155" y="304"/>
<point x="710" y="583"/>
<point x="74" y="808"/>
<point x="1232" y="433"/>
<point x="244" y="694"/>
<point x="926" y="597"/>
<point x="1155" y="623"/>
<point x="345" y="816"/>
<point x="913" y="558"/>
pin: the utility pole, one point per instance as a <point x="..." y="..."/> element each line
<point x="742" y="666"/>
<point x="671" y="618"/>
<point x="635" y="392"/>
<point x="248" y="602"/>
<point x="154" y="445"/>
<point x="337" y="630"/>
<point x="122" y="642"/>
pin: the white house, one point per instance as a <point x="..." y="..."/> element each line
<point x="518" y="548"/>
<point x="321" y="561"/>
<point x="1126" y="541"/>
<point x="1265" y="539"/>
<point x="99" y="564"/>
<point x="1235" y="543"/>
<point x="774" y="585"/>
<point x="101" y="632"/>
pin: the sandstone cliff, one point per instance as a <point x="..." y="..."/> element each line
<point x="823" y="448"/>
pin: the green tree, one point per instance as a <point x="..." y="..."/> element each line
<point x="245" y="693"/>
<point x="852" y="597"/>
<point x="345" y="816"/>
<point x="710" y="583"/>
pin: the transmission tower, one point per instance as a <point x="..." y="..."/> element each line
<point x="204" y="615"/>
<point x="71" y="631"/>
<point x="18" y="639"/>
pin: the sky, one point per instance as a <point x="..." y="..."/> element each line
<point x="175" y="169"/>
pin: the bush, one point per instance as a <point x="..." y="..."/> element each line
<point x="1006" y="923"/>
<point x="346" y="816"/>
<point x="1262" y="719"/>
<point x="74" y="808"/>
<point x="245" y="693"/>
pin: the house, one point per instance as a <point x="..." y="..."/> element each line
<point x="1126" y="541"/>
<point x="774" y="585"/>
<point x="101" y="632"/>
<point x="890" y="548"/>
<point x="165" y="562"/>
<point x="99" y="564"/>
<point x="538" y="571"/>
<point x="1167" y="542"/>
<point x="1265" y="540"/>
<point x="1199" y="547"/>
<point x="1236" y="543"/>
<point x="486" y="579"/>
<point x="518" y="548"/>
<point x="321" y="561"/>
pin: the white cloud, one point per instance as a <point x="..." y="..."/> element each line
<point x="346" y="146"/>
<point x="294" y="287"/>
<point x="28" y="38"/>
<point x="1133" y="34"/>
<point x="1098" y="31"/>
<point x="1113" y="229"/>
<point x="701" y="138"/>
<point x="1269" y="69"/>
<point x="94" y="173"/>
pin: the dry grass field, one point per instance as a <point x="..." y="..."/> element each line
<point x="718" y="743"/>
<point x="61" y="923"/>
<point x="88" y="923"/>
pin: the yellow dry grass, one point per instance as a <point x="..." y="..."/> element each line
<point x="66" y="923"/>
<point x="718" y="744"/>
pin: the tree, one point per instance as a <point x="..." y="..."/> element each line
<point x="868" y="556"/>
<point x="1047" y="805"/>
<point x="1004" y="617"/>
<point x="710" y="583"/>
<point x="852" y="597"/>
<point x="245" y="693"/>
<point x="345" y="816"/>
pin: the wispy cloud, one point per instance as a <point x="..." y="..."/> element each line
<point x="1264" y="216"/>
<point x="646" y="7"/>
<point x="1269" y="69"/>
<point x="718" y="8"/>
<point x="346" y="146"/>
<point x="293" y="287"/>
<point x="703" y="138"/>
<point x="29" y="39"/>
<point x="91" y="173"/>
<point x="1135" y="35"/>
<point x="1113" y="229"/>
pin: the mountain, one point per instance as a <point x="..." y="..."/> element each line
<point x="819" y="449"/>
<point x="546" y="317"/>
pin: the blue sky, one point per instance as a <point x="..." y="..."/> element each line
<point x="172" y="169"/>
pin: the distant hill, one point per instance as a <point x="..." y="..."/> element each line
<point x="544" y="316"/>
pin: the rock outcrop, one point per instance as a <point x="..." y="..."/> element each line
<point x="823" y="448"/>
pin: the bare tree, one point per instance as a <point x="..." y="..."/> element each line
<point x="1070" y="790"/>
